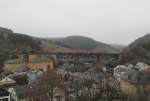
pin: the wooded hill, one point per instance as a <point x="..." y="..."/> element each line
<point x="84" y="43"/>
<point x="14" y="43"/>
<point x="137" y="51"/>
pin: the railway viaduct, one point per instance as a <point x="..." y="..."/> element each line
<point x="84" y="57"/>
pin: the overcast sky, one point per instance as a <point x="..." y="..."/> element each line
<point x="109" y="21"/>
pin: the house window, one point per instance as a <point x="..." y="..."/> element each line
<point x="5" y="99"/>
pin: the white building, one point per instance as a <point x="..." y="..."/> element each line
<point x="4" y="95"/>
<point x="6" y="81"/>
<point x="141" y="66"/>
<point x="119" y="71"/>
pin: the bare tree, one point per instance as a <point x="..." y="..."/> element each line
<point x="46" y="84"/>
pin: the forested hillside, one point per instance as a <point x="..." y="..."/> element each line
<point x="11" y="42"/>
<point x="137" y="51"/>
<point x="14" y="43"/>
<point x="84" y="43"/>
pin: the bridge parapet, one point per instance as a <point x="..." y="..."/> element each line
<point x="81" y="57"/>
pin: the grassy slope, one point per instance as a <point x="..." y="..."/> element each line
<point x="50" y="46"/>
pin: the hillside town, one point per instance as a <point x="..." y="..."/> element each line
<point x="74" y="50"/>
<point x="39" y="77"/>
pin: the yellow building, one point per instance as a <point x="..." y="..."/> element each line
<point x="32" y="61"/>
<point x="39" y="65"/>
<point x="136" y="86"/>
<point x="12" y="65"/>
<point x="101" y="85"/>
<point x="37" y="62"/>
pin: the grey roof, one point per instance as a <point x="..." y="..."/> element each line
<point x="139" y="77"/>
<point x="22" y="69"/>
<point x="13" y="61"/>
<point x="22" y="90"/>
<point x="33" y="76"/>
<point x="91" y="75"/>
<point x="35" y="60"/>
<point x="42" y="58"/>
<point x="121" y="69"/>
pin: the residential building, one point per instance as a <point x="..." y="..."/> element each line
<point x="119" y="71"/>
<point x="6" y="81"/>
<point x="32" y="61"/>
<point x="13" y="64"/>
<point x="141" y="66"/>
<point x="135" y="85"/>
<point x="19" y="93"/>
<point x="4" y="95"/>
